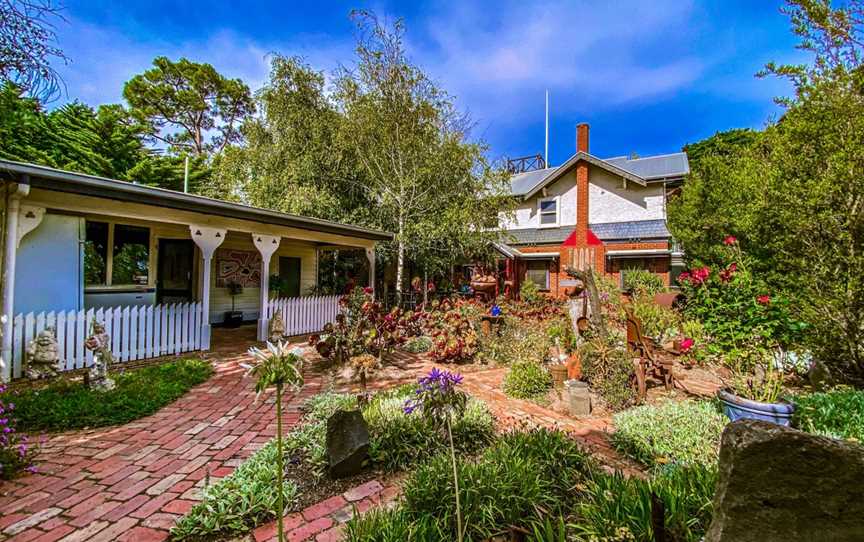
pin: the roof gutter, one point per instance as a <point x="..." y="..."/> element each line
<point x="88" y="185"/>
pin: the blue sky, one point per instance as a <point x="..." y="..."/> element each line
<point x="649" y="76"/>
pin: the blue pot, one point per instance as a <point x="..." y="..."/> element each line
<point x="737" y="408"/>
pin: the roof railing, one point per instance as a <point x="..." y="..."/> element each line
<point x="526" y="163"/>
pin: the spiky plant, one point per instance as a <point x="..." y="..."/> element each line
<point x="277" y="366"/>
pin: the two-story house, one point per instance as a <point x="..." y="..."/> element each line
<point x="609" y="214"/>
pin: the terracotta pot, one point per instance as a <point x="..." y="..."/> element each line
<point x="559" y="374"/>
<point x="574" y="367"/>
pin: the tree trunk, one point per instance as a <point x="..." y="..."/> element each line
<point x="587" y="278"/>
<point x="400" y="263"/>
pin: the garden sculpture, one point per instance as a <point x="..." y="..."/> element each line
<point x="100" y="344"/>
<point x="647" y="364"/>
<point x="43" y="356"/>
<point x="485" y="285"/>
<point x="277" y="327"/>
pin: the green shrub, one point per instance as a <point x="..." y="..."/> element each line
<point x="684" y="432"/>
<point x="608" y="368"/>
<point x="399" y="440"/>
<point x="658" y="322"/>
<point x="527" y="380"/>
<point x="529" y="291"/>
<point x="519" y="480"/>
<point x="619" y="508"/>
<point x="238" y="502"/>
<point x="419" y="345"/>
<point x="65" y="404"/>
<point x="642" y="283"/>
<point x="837" y="414"/>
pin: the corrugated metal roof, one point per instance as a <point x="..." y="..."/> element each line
<point x="639" y="229"/>
<point x="91" y="185"/>
<point x="522" y="183"/>
<point x="654" y="167"/>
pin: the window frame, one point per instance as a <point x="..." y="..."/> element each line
<point x="548" y="268"/>
<point x="541" y="212"/>
<point x="109" y="259"/>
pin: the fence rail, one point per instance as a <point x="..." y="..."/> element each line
<point x="304" y="314"/>
<point x="136" y="332"/>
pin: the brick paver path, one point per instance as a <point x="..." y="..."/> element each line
<point x="131" y="482"/>
<point x="324" y="521"/>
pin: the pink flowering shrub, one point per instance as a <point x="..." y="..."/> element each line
<point x="16" y="452"/>
<point x="737" y="311"/>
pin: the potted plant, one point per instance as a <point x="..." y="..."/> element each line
<point x="755" y="394"/>
<point x="234" y="318"/>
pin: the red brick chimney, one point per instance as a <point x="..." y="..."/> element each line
<point x="582" y="186"/>
<point x="582" y="137"/>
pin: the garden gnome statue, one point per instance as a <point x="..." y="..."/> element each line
<point x="277" y="327"/>
<point x="43" y="356"/>
<point x="100" y="345"/>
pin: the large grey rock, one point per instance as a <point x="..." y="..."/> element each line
<point x="780" y="484"/>
<point x="347" y="443"/>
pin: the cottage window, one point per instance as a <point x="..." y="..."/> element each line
<point x="538" y="273"/>
<point x="126" y="264"/>
<point x="548" y="212"/>
<point x="131" y="255"/>
<point x="96" y="254"/>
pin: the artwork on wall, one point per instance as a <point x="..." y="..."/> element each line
<point x="240" y="266"/>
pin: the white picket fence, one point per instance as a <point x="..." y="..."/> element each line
<point x="136" y="332"/>
<point x="305" y="314"/>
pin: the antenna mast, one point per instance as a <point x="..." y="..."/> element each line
<point x="546" y="154"/>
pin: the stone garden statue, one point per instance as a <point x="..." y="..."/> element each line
<point x="43" y="356"/>
<point x="100" y="344"/>
<point x="277" y="327"/>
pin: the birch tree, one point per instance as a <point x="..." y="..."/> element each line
<point x="425" y="180"/>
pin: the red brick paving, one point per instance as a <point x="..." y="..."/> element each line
<point x="131" y="482"/>
<point x="323" y="522"/>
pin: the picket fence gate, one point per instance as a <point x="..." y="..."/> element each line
<point x="136" y="332"/>
<point x="304" y="314"/>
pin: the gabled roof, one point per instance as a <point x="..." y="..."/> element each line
<point x="90" y="185"/>
<point x="639" y="170"/>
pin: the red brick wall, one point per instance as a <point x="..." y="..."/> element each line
<point x="660" y="265"/>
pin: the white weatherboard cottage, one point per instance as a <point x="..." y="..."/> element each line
<point x="156" y="266"/>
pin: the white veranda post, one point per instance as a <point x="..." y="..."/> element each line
<point x="370" y="255"/>
<point x="266" y="245"/>
<point x="208" y="240"/>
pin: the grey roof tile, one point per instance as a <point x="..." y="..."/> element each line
<point x="538" y="236"/>
<point x="639" y="229"/>
<point x="611" y="231"/>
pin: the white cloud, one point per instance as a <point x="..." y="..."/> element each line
<point x="589" y="55"/>
<point x="103" y="59"/>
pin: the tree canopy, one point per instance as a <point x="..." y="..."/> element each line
<point x="385" y="148"/>
<point x="794" y="197"/>
<point x="181" y="103"/>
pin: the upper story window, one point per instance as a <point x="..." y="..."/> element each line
<point x="128" y="261"/>
<point x="548" y="210"/>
